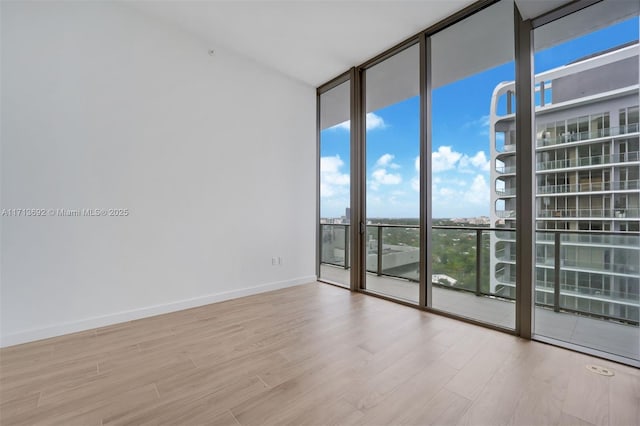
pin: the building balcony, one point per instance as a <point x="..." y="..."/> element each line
<point x="506" y="150"/>
<point x="588" y="135"/>
<point x="617" y="213"/>
<point x="596" y="160"/>
<point x="506" y="170"/>
<point x="617" y="240"/>
<point x="506" y="192"/>
<point x="628" y="185"/>
<point x="505" y="254"/>
<point x="506" y="214"/>
<point x="506" y="235"/>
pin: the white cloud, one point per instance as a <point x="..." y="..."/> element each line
<point x="444" y="159"/>
<point x="478" y="192"/>
<point x="381" y="176"/>
<point x="415" y="182"/>
<point x="478" y="161"/>
<point x="384" y="160"/>
<point x="331" y="176"/>
<point x="464" y="196"/>
<point x="331" y="166"/>
<point x="373" y="122"/>
<point x="345" y="125"/>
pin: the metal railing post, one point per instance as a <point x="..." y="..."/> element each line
<point x="556" y="272"/>
<point x="320" y="248"/>
<point x="379" y="272"/>
<point x="346" y="246"/>
<point x="478" y="259"/>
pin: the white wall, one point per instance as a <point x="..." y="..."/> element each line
<point x="214" y="157"/>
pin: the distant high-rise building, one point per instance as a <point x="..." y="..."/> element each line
<point x="587" y="179"/>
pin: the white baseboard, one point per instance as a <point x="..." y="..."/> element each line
<point x="101" y="321"/>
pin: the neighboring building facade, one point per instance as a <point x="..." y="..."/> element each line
<point x="587" y="179"/>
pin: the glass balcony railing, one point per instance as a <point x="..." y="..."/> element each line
<point x="583" y="136"/>
<point x="610" y="266"/>
<point x="506" y="214"/>
<point x="507" y="235"/>
<point x="334" y="244"/>
<point x="588" y="280"/>
<point x="394" y="251"/>
<point x="506" y="150"/>
<point x="586" y="237"/>
<point x="505" y="192"/>
<point x="616" y="213"/>
<point x="594" y="160"/>
<point x="589" y="187"/>
<point x="506" y="255"/>
<point x="506" y="169"/>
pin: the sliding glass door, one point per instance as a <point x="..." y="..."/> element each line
<point x="519" y="213"/>
<point x="392" y="238"/>
<point x="473" y="174"/>
<point x="587" y="173"/>
<point x="335" y="184"/>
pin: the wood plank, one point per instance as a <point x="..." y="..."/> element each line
<point x="587" y="394"/>
<point x="312" y="354"/>
<point x="624" y="399"/>
<point x="410" y="402"/>
<point x="473" y="377"/>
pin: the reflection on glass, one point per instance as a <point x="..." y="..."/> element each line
<point x="473" y="167"/>
<point x="392" y="239"/>
<point x="587" y="196"/>
<point x="335" y="185"/>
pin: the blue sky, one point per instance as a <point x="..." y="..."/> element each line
<point x="461" y="183"/>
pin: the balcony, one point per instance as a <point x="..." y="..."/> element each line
<point x="628" y="185"/>
<point x="505" y="255"/>
<point x="506" y="214"/>
<point x="619" y="240"/>
<point x="506" y="192"/>
<point x="594" y="160"/>
<point x="583" y="136"/>
<point x="506" y="234"/>
<point x="618" y="213"/>
<point x="463" y="286"/>
<point x="506" y="170"/>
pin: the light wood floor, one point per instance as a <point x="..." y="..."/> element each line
<point x="313" y="354"/>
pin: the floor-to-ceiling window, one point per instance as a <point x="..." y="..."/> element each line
<point x="392" y="149"/>
<point x="587" y="168"/>
<point x="450" y="94"/>
<point x="335" y="184"/>
<point x="473" y="191"/>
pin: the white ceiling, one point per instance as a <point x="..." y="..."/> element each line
<point x="311" y="41"/>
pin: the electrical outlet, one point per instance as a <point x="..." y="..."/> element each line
<point x="279" y="261"/>
<point x="274" y="261"/>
